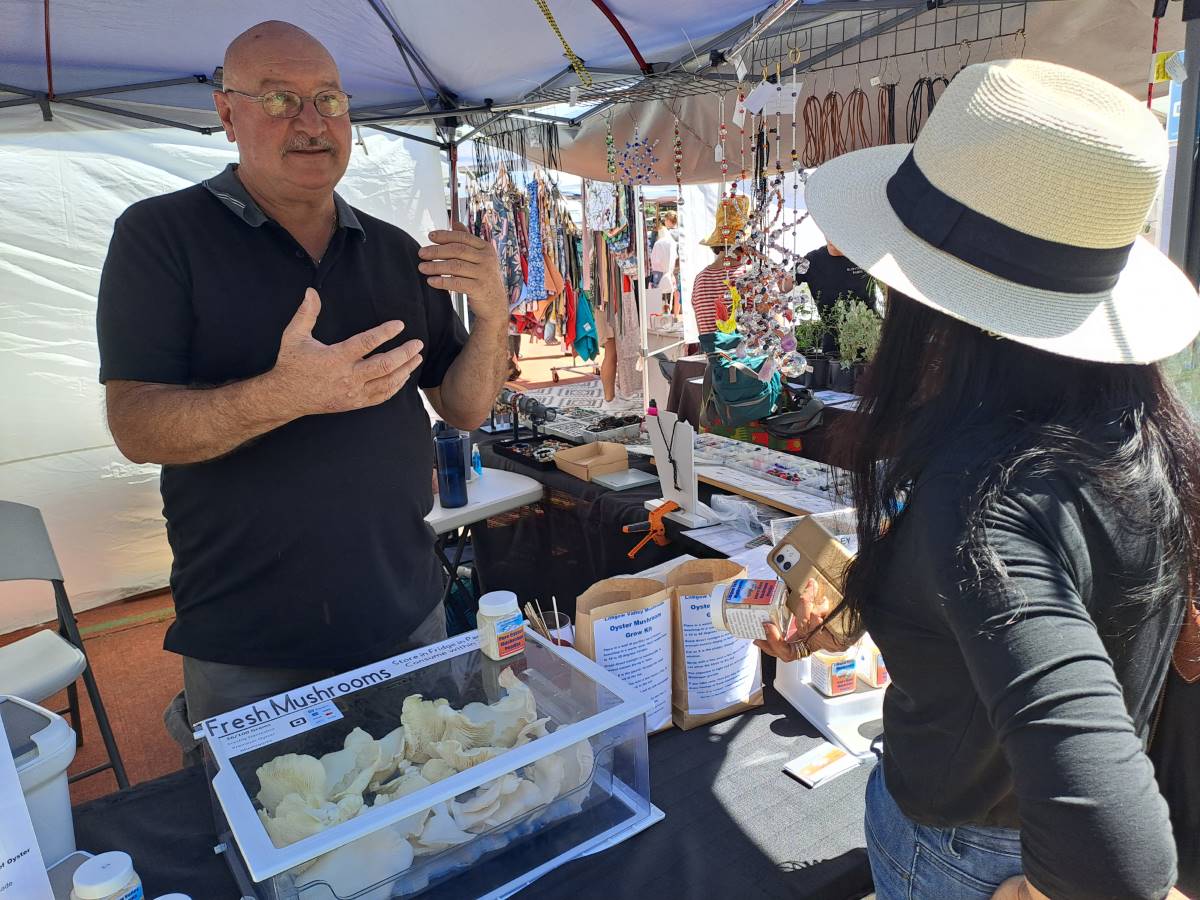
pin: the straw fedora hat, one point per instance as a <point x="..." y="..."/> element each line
<point x="1019" y="211"/>
<point x="732" y="215"/>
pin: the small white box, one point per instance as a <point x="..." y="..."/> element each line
<point x="851" y="721"/>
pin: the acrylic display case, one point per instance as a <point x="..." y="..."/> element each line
<point x="355" y="787"/>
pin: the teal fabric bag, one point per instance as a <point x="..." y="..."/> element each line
<point x="733" y="393"/>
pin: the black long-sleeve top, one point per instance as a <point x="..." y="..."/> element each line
<point x="1027" y="707"/>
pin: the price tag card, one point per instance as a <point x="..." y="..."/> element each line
<point x="759" y="96"/>
<point x="783" y="100"/>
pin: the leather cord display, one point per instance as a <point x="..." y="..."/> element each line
<point x="885" y="112"/>
<point x="832" y="108"/>
<point x="856" y="133"/>
<point x="814" y="140"/>
<point x="919" y="106"/>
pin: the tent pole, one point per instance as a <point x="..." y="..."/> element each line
<point x="141" y="117"/>
<point x="460" y="300"/>
<point x="642" y="295"/>
<point x="452" y="152"/>
<point x="404" y="134"/>
<point x="1185" y="224"/>
<point x="403" y="44"/>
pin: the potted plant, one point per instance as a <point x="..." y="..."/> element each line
<point x="809" y="331"/>
<point x="858" y="331"/>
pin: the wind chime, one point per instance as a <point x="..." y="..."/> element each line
<point x="637" y="160"/>
<point x="762" y="312"/>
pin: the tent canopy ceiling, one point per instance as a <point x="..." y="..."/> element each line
<point x="475" y="50"/>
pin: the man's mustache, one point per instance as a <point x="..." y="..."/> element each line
<point x="314" y="143"/>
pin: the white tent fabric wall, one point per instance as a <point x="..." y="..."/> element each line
<point x="65" y="183"/>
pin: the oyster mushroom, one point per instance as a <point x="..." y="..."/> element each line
<point x="437" y="769"/>
<point x="510" y="714"/>
<point x="423" y="725"/>
<point x="348" y="771"/>
<point x="290" y="773"/>
<point x="408" y="783"/>
<point x="524" y="798"/>
<point x="440" y="832"/>
<point x="459" y="759"/>
<point x="296" y="818"/>
<point x="549" y="773"/>
<point x="369" y="864"/>
<point x="484" y="802"/>
<point x="391" y="757"/>
<point x="531" y="732"/>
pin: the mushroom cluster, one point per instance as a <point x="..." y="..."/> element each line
<point x="301" y="795"/>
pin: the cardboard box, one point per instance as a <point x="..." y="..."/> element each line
<point x="589" y="460"/>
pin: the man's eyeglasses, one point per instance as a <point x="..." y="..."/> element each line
<point x="289" y="104"/>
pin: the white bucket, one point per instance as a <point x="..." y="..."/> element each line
<point x="43" y="746"/>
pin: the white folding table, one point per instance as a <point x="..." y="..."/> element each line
<point x="494" y="493"/>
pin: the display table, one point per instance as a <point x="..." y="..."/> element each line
<point x="736" y="826"/>
<point x="494" y="493"/>
<point x="569" y="541"/>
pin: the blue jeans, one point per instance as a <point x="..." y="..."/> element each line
<point x="917" y="862"/>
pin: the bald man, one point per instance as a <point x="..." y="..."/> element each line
<point x="265" y="342"/>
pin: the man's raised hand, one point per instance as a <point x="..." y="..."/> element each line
<point x="459" y="261"/>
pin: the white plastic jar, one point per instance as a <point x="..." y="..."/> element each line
<point x="109" y="876"/>
<point x="501" y="625"/>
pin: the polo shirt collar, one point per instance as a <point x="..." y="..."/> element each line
<point x="227" y="188"/>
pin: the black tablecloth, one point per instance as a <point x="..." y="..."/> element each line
<point x="735" y="826"/>
<point x="572" y="539"/>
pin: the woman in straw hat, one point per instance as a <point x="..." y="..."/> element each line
<point x="710" y="287"/>
<point x="1027" y="484"/>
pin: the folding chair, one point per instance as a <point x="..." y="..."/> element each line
<point x="46" y="662"/>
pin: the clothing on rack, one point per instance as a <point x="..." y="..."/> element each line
<point x="538" y="244"/>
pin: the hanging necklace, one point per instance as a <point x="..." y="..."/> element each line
<point x="670" y="449"/>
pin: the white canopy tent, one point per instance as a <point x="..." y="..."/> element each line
<point x="100" y="107"/>
<point x="76" y="152"/>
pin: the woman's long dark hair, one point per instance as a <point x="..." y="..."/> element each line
<point x="937" y="382"/>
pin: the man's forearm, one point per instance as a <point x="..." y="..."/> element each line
<point x="474" y="379"/>
<point x="175" y="425"/>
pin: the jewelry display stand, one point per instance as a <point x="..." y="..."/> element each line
<point x="676" y="465"/>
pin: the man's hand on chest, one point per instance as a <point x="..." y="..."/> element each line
<point x="311" y="378"/>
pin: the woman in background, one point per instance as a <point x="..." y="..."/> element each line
<point x="1028" y="489"/>
<point x="663" y="257"/>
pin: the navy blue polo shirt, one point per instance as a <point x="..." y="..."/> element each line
<point x="307" y="546"/>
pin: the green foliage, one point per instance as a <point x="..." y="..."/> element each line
<point x="858" y="330"/>
<point x="810" y="328"/>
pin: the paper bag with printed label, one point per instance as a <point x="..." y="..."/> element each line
<point x="816" y="549"/>
<point x="624" y="624"/>
<point x="713" y="674"/>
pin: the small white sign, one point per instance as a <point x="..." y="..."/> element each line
<point x="740" y="68"/>
<point x="1175" y="67"/>
<point x="783" y="100"/>
<point x="22" y="870"/>
<point x="636" y="647"/>
<point x="759" y="96"/>
<point x="739" y="114"/>
<point x="876" y="81"/>
<point x="721" y="669"/>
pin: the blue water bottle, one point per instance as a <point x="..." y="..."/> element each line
<point x="451" y="469"/>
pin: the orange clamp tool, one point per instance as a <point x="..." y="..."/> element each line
<point x="656" y="528"/>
